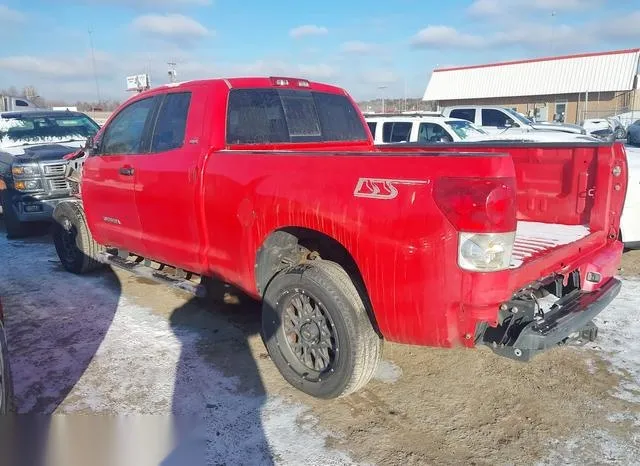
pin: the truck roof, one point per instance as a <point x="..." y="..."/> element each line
<point x="39" y="113"/>
<point x="256" y="82"/>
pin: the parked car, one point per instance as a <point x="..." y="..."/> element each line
<point x="388" y="129"/>
<point x="500" y="119"/>
<point x="32" y="168"/>
<point x="274" y="185"/>
<point x="633" y="133"/>
<point x="429" y="129"/>
<point x="604" y="128"/>
<point x="6" y="382"/>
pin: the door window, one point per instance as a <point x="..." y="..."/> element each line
<point x="372" y="128"/>
<point x="433" y="132"/>
<point x="171" y="124"/>
<point x="397" y="131"/>
<point x="124" y="133"/>
<point x="468" y="114"/>
<point x="496" y="118"/>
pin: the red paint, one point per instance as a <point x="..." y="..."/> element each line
<point x="536" y="60"/>
<point x="209" y="207"/>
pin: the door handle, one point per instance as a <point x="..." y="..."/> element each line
<point x="126" y="171"/>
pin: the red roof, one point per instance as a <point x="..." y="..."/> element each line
<point x="533" y="60"/>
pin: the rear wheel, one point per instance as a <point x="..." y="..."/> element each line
<point x="74" y="244"/>
<point x="317" y="330"/>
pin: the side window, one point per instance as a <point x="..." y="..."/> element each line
<point x="398" y="131"/>
<point x="171" y="124"/>
<point x="372" y="128"/>
<point x="124" y="133"/>
<point x="21" y="103"/>
<point x="496" y="118"/>
<point x="432" y="132"/>
<point x="256" y="116"/>
<point x="468" y="114"/>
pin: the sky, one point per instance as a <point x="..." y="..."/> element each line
<point x="372" y="48"/>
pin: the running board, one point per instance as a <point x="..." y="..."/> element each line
<point x="142" y="268"/>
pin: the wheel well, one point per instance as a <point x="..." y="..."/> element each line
<point x="288" y="247"/>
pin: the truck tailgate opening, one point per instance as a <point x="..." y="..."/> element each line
<point x="534" y="239"/>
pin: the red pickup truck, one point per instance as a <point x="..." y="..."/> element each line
<point x="274" y="185"/>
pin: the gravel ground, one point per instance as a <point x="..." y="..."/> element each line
<point x="115" y="345"/>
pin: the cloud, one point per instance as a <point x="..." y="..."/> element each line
<point x="622" y="27"/>
<point x="308" y="30"/>
<point x="7" y="15"/>
<point x="75" y="68"/>
<point x="358" y="47"/>
<point x="379" y="76"/>
<point x="170" y="26"/>
<point x="174" y="4"/>
<point x="614" y="32"/>
<point x="498" y="8"/>
<point x="446" y="37"/>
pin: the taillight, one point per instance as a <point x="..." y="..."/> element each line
<point x="483" y="210"/>
<point x="482" y="205"/>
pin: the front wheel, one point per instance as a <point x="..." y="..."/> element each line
<point x="74" y="244"/>
<point x="317" y="330"/>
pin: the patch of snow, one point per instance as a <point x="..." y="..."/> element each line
<point x="387" y="372"/>
<point x="533" y="238"/>
<point x="603" y="445"/>
<point x="618" y="343"/>
<point x="77" y="345"/>
<point x="619" y="339"/>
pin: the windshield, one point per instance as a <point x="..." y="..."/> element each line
<point x="464" y="129"/>
<point x="45" y="129"/>
<point x="517" y="116"/>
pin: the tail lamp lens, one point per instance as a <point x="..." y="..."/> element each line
<point x="478" y="204"/>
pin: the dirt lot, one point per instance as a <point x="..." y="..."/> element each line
<point x="113" y="344"/>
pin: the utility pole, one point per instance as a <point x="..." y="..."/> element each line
<point x="553" y="21"/>
<point x="382" y="88"/>
<point x="93" y="62"/>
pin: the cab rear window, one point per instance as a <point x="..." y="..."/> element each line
<point x="263" y="116"/>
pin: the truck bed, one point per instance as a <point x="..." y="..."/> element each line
<point x="535" y="238"/>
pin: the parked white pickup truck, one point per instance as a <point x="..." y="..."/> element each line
<point x="16" y="104"/>
<point x="502" y="119"/>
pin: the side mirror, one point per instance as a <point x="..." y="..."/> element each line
<point x="91" y="146"/>
<point x="508" y="124"/>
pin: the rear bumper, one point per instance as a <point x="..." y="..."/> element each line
<point x="570" y="319"/>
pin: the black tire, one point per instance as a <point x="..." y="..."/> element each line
<point x="335" y="314"/>
<point x="15" y="228"/>
<point x="74" y="244"/>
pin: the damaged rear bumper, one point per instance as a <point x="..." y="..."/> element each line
<point x="568" y="320"/>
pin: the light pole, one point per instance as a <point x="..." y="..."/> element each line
<point x="382" y="88"/>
